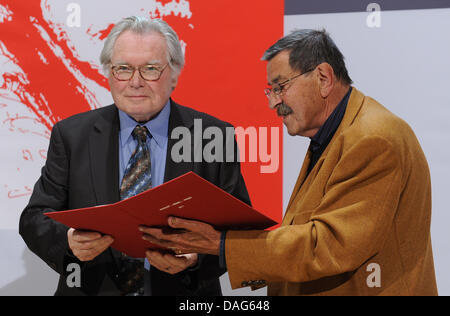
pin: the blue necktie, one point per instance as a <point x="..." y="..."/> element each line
<point x="138" y="173"/>
<point x="137" y="179"/>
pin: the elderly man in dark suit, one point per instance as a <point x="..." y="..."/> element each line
<point x="113" y="153"/>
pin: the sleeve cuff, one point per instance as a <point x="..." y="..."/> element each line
<point x="222" y="258"/>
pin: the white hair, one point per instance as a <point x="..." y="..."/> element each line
<point x="141" y="25"/>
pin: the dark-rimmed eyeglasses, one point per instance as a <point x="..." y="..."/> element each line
<point x="147" y="72"/>
<point x="280" y="88"/>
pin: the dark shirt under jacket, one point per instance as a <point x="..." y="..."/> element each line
<point x="320" y="141"/>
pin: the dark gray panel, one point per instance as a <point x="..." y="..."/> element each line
<point x="293" y="7"/>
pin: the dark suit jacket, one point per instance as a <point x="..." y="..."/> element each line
<point x="82" y="170"/>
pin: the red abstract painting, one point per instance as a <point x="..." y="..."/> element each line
<point x="49" y="70"/>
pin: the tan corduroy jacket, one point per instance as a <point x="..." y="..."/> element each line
<point x="359" y="224"/>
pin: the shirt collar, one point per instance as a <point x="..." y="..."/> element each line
<point x="331" y="124"/>
<point x="158" y="126"/>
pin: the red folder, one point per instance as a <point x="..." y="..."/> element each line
<point x="188" y="196"/>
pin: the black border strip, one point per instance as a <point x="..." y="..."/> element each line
<point x="294" y="7"/>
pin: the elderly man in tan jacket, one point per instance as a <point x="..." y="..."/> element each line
<point x="358" y="221"/>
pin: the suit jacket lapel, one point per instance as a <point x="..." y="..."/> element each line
<point x="178" y="117"/>
<point x="301" y="178"/>
<point x="104" y="156"/>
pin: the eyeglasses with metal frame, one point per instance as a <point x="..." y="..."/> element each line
<point x="279" y="88"/>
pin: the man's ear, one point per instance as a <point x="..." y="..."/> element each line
<point x="174" y="81"/>
<point x="326" y="79"/>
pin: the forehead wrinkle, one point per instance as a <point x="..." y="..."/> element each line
<point x="155" y="62"/>
<point x="131" y="46"/>
<point x="276" y="80"/>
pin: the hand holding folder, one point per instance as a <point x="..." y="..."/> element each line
<point x="188" y="196"/>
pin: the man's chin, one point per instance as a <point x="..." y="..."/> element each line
<point x="141" y="112"/>
<point x="291" y="133"/>
<point x="289" y="125"/>
<point x="286" y="123"/>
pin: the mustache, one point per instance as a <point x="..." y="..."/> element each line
<point x="283" y="110"/>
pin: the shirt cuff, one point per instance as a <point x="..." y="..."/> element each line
<point x="222" y="259"/>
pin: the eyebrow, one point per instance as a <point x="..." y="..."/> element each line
<point x="276" y="80"/>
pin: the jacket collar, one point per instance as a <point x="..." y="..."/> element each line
<point x="179" y="117"/>
<point x="104" y="157"/>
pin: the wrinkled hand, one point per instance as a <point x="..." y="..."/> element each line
<point x="196" y="237"/>
<point x="170" y="263"/>
<point x="86" y="246"/>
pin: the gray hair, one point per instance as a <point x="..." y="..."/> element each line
<point x="310" y="48"/>
<point x="142" y="25"/>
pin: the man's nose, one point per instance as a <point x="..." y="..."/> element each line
<point x="136" y="80"/>
<point x="274" y="101"/>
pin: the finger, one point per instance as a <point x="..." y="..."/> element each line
<point x="155" y="258"/>
<point x="164" y="259"/>
<point x="158" y="242"/>
<point x="93" y="253"/>
<point x="99" y="245"/>
<point x="170" y="263"/>
<point x="193" y="226"/>
<point x="180" y="262"/>
<point x="192" y="259"/>
<point x="155" y="232"/>
<point x="184" y="262"/>
<point x="83" y="236"/>
<point x="103" y="244"/>
<point x="180" y="244"/>
<point x="189" y="260"/>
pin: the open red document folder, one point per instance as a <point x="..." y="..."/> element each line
<point x="188" y="196"/>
